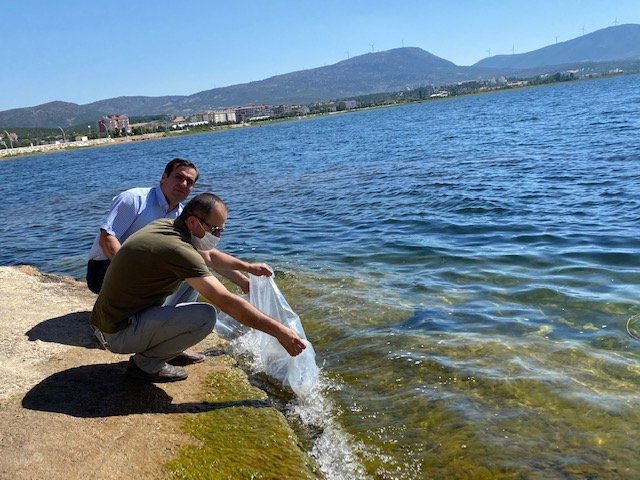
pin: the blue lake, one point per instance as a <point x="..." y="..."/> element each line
<point x="468" y="269"/>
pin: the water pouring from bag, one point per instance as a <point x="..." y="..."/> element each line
<point x="300" y="373"/>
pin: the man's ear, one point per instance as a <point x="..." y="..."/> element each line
<point x="191" y="222"/>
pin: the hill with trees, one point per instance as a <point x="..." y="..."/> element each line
<point x="395" y="70"/>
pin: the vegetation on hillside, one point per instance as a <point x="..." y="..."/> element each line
<point x="163" y="123"/>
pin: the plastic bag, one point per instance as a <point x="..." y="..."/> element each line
<point x="229" y="328"/>
<point x="300" y="373"/>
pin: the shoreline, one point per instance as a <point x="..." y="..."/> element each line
<point x="48" y="148"/>
<point x="56" y="147"/>
<point x="6" y="154"/>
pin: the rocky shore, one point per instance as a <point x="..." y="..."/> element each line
<point x="67" y="411"/>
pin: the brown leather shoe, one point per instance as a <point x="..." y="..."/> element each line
<point x="187" y="358"/>
<point x="168" y="373"/>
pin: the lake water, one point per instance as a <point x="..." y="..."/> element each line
<point x="466" y="269"/>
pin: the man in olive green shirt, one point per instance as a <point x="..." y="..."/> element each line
<point x="129" y="315"/>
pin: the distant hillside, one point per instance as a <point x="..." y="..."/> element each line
<point x="613" y="43"/>
<point x="378" y="72"/>
<point x="52" y="115"/>
<point x="373" y="72"/>
<point x="132" y="106"/>
<point x="390" y="70"/>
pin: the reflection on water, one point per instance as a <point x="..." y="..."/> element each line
<point x="427" y="397"/>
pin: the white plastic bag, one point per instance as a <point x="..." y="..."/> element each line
<point x="299" y="372"/>
<point x="227" y="327"/>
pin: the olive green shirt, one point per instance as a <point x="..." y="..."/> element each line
<point x="148" y="267"/>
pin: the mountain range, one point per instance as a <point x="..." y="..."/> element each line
<point x="377" y="72"/>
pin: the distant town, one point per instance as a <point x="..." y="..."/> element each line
<point x="118" y="127"/>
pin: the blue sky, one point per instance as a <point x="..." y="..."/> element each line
<point x="85" y="51"/>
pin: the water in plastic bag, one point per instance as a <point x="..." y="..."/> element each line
<point x="300" y="373"/>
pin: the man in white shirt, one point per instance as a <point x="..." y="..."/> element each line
<point x="135" y="208"/>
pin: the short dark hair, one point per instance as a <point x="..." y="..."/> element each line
<point x="179" y="162"/>
<point x="201" y="206"/>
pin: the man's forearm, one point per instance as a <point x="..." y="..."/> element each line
<point x="109" y="244"/>
<point x="245" y="313"/>
<point x="236" y="277"/>
<point x="221" y="261"/>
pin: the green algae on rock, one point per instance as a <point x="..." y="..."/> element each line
<point x="242" y="437"/>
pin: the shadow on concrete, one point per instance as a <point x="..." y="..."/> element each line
<point x="103" y="390"/>
<point x="70" y="329"/>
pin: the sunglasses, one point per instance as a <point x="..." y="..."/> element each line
<point x="217" y="231"/>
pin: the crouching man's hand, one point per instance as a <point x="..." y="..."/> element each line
<point x="291" y="342"/>
<point x="259" y="269"/>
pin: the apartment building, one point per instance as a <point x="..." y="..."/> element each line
<point x="110" y="123"/>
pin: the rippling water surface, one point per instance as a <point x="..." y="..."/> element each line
<point x="466" y="269"/>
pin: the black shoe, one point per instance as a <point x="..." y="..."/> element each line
<point x="187" y="358"/>
<point x="168" y="373"/>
